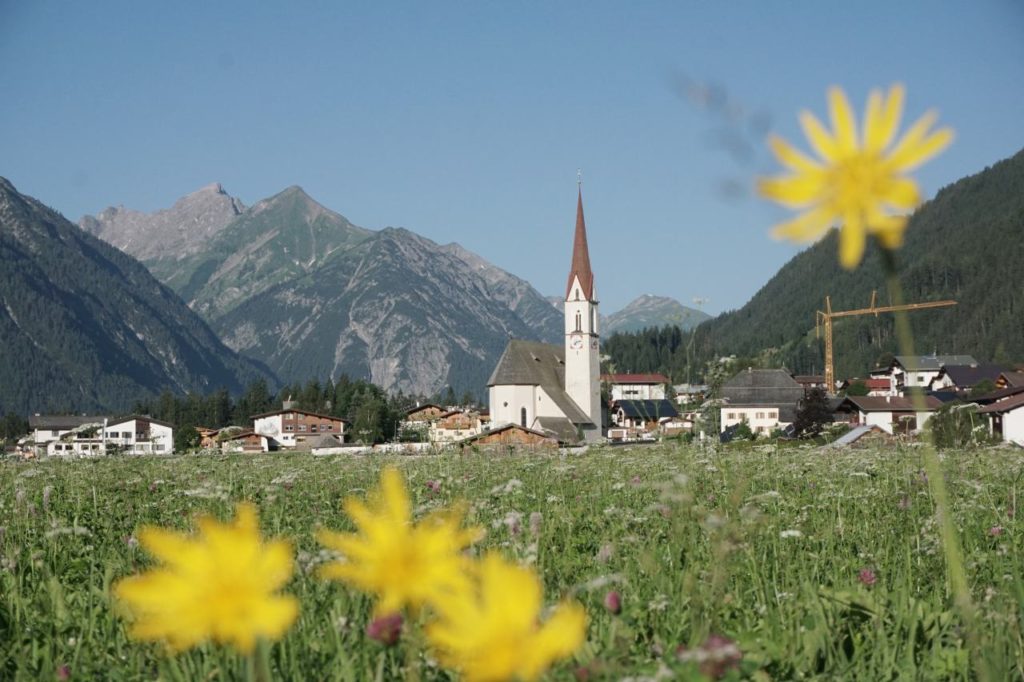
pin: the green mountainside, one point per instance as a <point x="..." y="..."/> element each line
<point x="305" y="291"/>
<point x="276" y="240"/>
<point x="967" y="244"/>
<point x="85" y="327"/>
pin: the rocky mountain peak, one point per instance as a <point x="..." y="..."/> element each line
<point x="181" y="229"/>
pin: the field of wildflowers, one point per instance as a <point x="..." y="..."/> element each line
<point x="758" y="563"/>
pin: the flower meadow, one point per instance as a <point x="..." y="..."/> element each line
<point x="670" y="562"/>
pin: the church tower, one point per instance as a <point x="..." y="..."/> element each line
<point x="582" y="344"/>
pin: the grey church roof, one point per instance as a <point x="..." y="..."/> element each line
<point x="532" y="363"/>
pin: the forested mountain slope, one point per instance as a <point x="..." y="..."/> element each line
<point x="966" y="244"/>
<point x="85" y="327"/>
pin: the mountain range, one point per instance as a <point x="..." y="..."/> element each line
<point x="298" y="291"/>
<point x="84" y="326"/>
<point x="300" y="288"/>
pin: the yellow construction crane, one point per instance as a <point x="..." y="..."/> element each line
<point x="824" y="319"/>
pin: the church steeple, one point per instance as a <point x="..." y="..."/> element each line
<point x="580" y="268"/>
<point x="582" y="342"/>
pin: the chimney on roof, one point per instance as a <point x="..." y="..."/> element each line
<point x="750" y="370"/>
<point x="888" y="399"/>
<point x="288" y="404"/>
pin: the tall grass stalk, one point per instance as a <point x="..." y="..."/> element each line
<point x="951" y="546"/>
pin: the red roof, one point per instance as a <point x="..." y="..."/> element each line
<point x="877" y="384"/>
<point x="580" y="256"/>
<point x="635" y="378"/>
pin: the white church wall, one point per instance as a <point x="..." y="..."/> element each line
<point x="507" y="403"/>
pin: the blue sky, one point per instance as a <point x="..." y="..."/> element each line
<point x="466" y="121"/>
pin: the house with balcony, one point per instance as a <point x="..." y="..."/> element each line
<point x="91" y="436"/>
<point x="292" y="428"/>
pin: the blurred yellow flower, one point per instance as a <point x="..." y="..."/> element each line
<point x="220" y="585"/>
<point x="404" y="564"/>
<point x="858" y="181"/>
<point x="493" y="631"/>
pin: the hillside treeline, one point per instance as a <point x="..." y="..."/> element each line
<point x="371" y="413"/>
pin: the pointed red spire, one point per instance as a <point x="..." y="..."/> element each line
<point x="581" y="256"/>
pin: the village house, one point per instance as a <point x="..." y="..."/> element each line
<point x="48" y="428"/>
<point x="70" y="436"/>
<point x="1006" y="416"/>
<point x="292" y="427"/>
<point x="687" y="394"/>
<point x="892" y="414"/>
<point x="454" y="426"/>
<point x="248" y="442"/>
<point x="553" y="389"/>
<point x="917" y="371"/>
<point x="963" y="378"/>
<point x="424" y="413"/>
<point x="635" y="386"/>
<point x="1010" y="379"/>
<point x="631" y="419"/>
<point x="207" y="437"/>
<point x="140" y="436"/>
<point x="766" y="399"/>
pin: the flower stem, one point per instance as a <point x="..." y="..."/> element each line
<point x="258" y="668"/>
<point x="951" y="547"/>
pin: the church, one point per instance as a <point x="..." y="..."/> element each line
<point x="556" y="389"/>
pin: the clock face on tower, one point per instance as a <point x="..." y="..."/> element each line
<point x="593" y="344"/>
<point x="576" y="342"/>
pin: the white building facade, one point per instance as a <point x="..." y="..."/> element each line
<point x="636" y="386"/>
<point x="97" y="436"/>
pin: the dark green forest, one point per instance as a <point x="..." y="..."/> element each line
<point x="967" y="244"/>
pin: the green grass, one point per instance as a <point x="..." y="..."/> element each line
<point x="693" y="540"/>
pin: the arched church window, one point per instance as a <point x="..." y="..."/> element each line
<point x="579" y="322"/>
<point x="522" y="417"/>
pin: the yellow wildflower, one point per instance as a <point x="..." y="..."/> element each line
<point x="404" y="564"/>
<point x="493" y="631"/>
<point x="219" y="585"/>
<point x="859" y="182"/>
